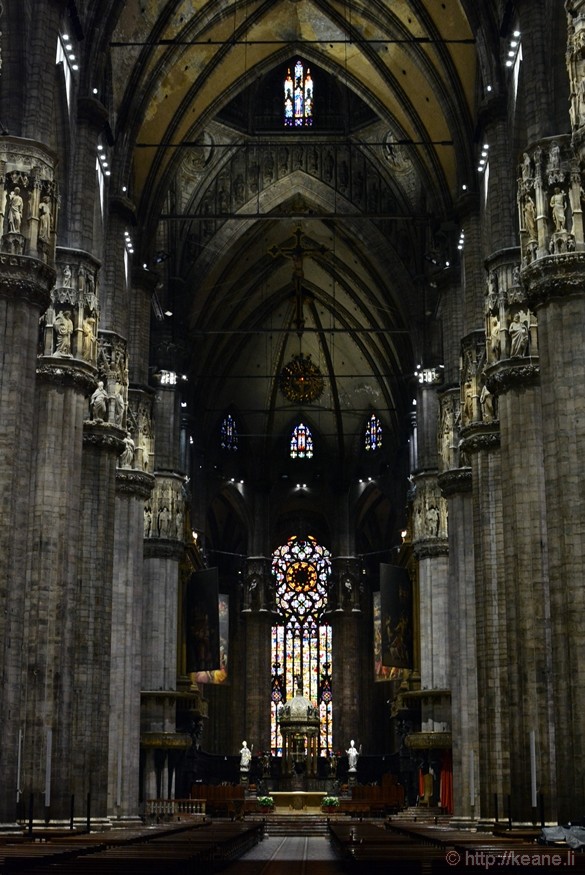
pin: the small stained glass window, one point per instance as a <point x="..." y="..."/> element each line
<point x="301" y="442"/>
<point x="229" y="434"/>
<point x="373" y="436"/>
<point x="298" y="97"/>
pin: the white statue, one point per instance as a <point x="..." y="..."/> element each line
<point x="245" y="757"/>
<point x="557" y="205"/>
<point x="15" y="205"/>
<point x="127" y="455"/>
<point x="352" y="756"/>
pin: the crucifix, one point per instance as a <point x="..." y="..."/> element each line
<point x="297" y="253"/>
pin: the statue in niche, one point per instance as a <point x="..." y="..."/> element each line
<point x="486" y="401"/>
<point x="554" y="158"/>
<point x="447" y="437"/>
<point x="557" y="206"/>
<point x="99" y="402"/>
<point x="495" y="342"/>
<point x="147" y="522"/>
<point x="492" y="295"/>
<point x="530" y="217"/>
<point x="66" y="277"/>
<point x="468" y="402"/>
<point x="127" y="454"/>
<point x="15" y="207"/>
<point x="164" y="517"/>
<point x="63" y="325"/>
<point x="45" y="220"/>
<point x="518" y="331"/>
<point x="88" y="339"/>
<point x="433" y="520"/>
<point x="119" y="406"/>
<point x="526" y="167"/>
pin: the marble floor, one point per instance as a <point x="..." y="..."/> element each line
<point x="289" y="855"/>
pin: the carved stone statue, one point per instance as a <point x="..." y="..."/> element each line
<point x="99" y="402"/>
<point x="245" y="757"/>
<point x="352" y="756"/>
<point x="119" y="407"/>
<point x="557" y="205"/>
<point x="127" y="454"/>
<point x="63" y="326"/>
<point x="45" y="220"/>
<point x="15" y="206"/>
<point x="530" y="217"/>
<point x="518" y="331"/>
<point x="88" y="339"/>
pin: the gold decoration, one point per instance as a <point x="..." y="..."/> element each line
<point x="300" y="380"/>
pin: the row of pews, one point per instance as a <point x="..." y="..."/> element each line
<point x="417" y="849"/>
<point x="156" y="850"/>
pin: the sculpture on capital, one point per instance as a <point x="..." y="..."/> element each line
<point x="99" y="402"/>
<point x="15" y="206"/>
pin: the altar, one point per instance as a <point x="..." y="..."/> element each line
<point x="293" y="801"/>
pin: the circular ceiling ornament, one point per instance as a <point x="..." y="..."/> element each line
<point x="300" y="380"/>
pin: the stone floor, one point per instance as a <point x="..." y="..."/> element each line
<point x="289" y="855"/>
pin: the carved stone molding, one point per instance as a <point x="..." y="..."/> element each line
<point x="130" y="482"/>
<point x="24" y="277"/>
<point x="512" y="374"/>
<point x="455" y="481"/>
<point x="103" y="436"/>
<point x="161" y="548"/>
<point x="61" y="372"/>
<point x="480" y="437"/>
<point x="554" y="277"/>
<point x="430" y="548"/>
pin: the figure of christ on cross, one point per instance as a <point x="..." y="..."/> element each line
<point x="297" y="253"/>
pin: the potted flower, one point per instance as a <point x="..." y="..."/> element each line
<point x="328" y="803"/>
<point x="265" y="802"/>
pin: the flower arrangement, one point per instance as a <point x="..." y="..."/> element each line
<point x="265" y="801"/>
<point x="330" y="802"/>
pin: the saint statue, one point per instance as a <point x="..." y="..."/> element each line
<point x="245" y="757"/>
<point x="352" y="756"/>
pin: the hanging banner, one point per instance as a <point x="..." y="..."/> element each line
<point x="381" y="672"/>
<point x="219" y="675"/>
<point x="396" y="616"/>
<point x="202" y="621"/>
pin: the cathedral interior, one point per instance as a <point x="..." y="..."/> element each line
<point x="292" y="398"/>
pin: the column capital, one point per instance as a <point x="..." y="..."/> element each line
<point x="431" y="547"/>
<point x="480" y="436"/>
<point x="455" y="481"/>
<point x="63" y="372"/>
<point x="104" y="436"/>
<point x="23" y="277"/>
<point x="554" y="277"/>
<point x="510" y="374"/>
<point x="132" y="482"/>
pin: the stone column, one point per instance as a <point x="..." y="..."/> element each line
<point x="24" y="294"/>
<point x="350" y="665"/>
<point x="555" y="286"/>
<point x="513" y="377"/>
<point x="253" y="720"/>
<point x="455" y="484"/>
<point x="133" y="488"/>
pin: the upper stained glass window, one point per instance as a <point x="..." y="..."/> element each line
<point x="373" y="436"/>
<point x="229" y="434"/>
<point x="298" y="98"/>
<point x="301" y="442"/>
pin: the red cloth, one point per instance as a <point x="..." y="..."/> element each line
<point x="446" y="783"/>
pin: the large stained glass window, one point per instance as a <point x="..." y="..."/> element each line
<point x="298" y="97"/>
<point x="229" y="434"/>
<point x="302" y="644"/>
<point x="301" y="442"/>
<point x="373" y="436"/>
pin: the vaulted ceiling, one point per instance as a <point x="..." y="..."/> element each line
<point x="237" y="213"/>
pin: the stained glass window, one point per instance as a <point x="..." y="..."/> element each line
<point x="229" y="434"/>
<point x="373" y="436"/>
<point x="301" y="442"/>
<point x="298" y="97"/>
<point x="302" y="644"/>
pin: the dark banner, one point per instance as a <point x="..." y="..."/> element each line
<point x="219" y="675"/>
<point x="396" y="616"/>
<point x="202" y="621"/>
